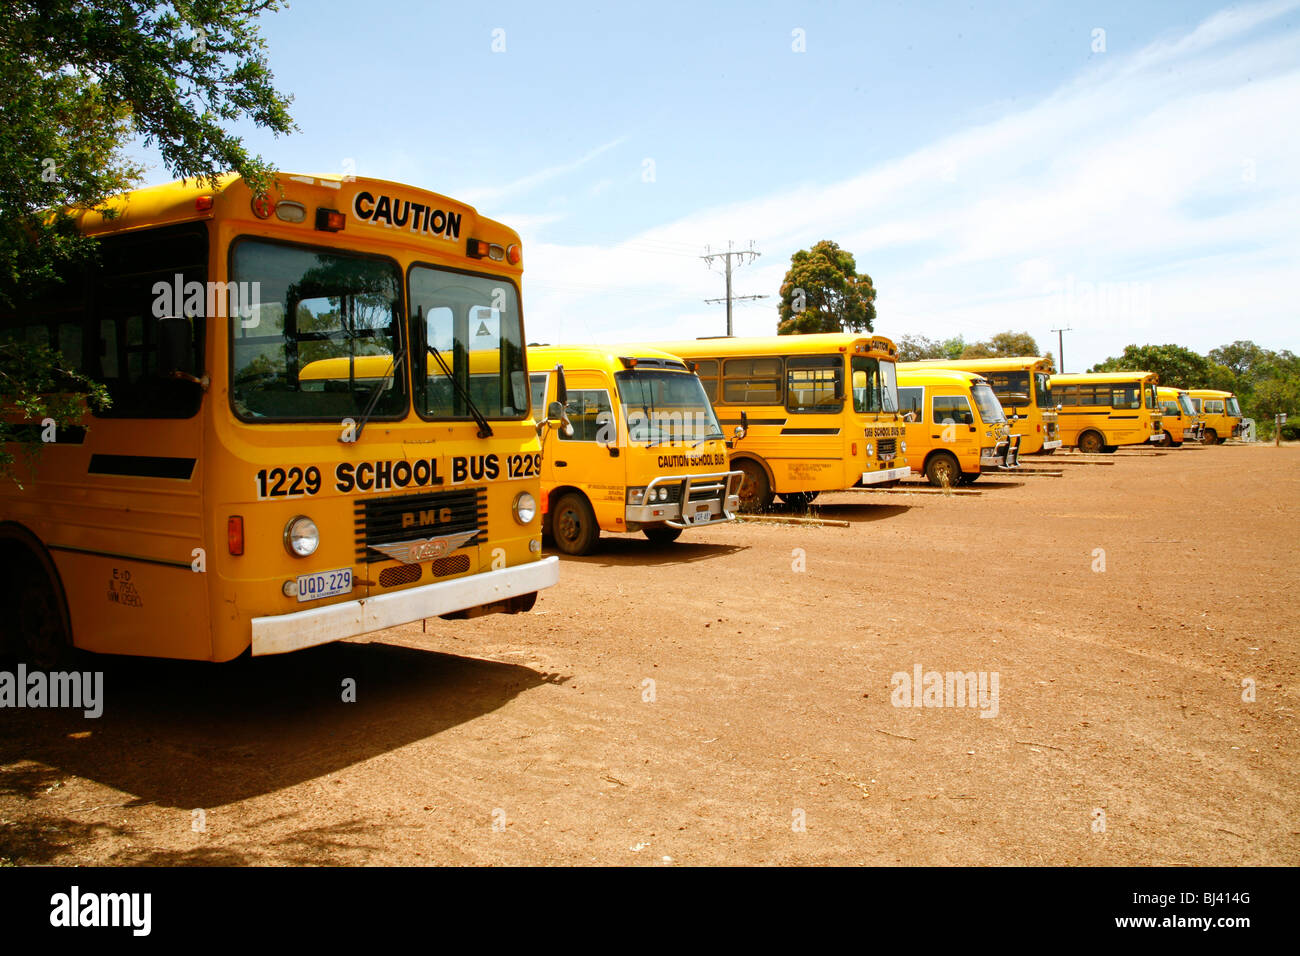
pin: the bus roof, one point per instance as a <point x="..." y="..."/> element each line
<point x="1083" y="378"/>
<point x="813" y="343"/>
<point x="1168" y="391"/>
<point x="1210" y="393"/>
<point x="185" y="201"/>
<point x="607" y="358"/>
<point x="935" y="376"/>
<point x="1015" y="363"/>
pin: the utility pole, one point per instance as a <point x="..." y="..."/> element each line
<point x="753" y="254"/>
<point x="1060" y="345"/>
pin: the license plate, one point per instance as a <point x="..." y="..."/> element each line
<point x="700" y="517"/>
<point x="313" y="587"/>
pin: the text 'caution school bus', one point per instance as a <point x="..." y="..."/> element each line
<point x="295" y="451"/>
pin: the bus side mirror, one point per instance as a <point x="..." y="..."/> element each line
<point x="743" y="428"/>
<point x="839" y="389"/>
<point x="561" y="387"/>
<point x="557" y="417"/>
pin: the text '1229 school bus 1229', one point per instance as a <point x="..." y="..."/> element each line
<point x="819" y="412"/>
<point x="638" y="447"/>
<point x="295" y="451"/>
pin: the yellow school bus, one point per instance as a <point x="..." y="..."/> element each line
<point x="1102" y="410"/>
<point x="295" y="451"/>
<point x="1179" y="418"/>
<point x="640" y="448"/>
<point x="955" y="426"/>
<point x="1023" y="384"/>
<point x="817" y="412"/>
<point x="1220" y="412"/>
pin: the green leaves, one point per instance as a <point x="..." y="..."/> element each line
<point x="824" y="292"/>
<point x="79" y="79"/>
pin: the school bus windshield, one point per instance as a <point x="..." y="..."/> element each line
<point x="312" y="305"/>
<point x="666" y="406"/>
<point x="473" y="323"/>
<point x="875" y="385"/>
<point x="1233" y="408"/>
<point x="990" y="408"/>
<point x="1185" y="403"/>
<point x="1042" y="390"/>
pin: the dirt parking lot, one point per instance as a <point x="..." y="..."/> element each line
<point x="727" y="700"/>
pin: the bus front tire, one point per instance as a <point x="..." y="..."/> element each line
<point x="1091" y="443"/>
<point x="1211" y="437"/>
<point x="942" y="469"/>
<point x="755" y="489"/>
<point x="664" y="535"/>
<point x="573" y="524"/>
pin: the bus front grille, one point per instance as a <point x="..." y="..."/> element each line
<point x="456" y="564"/>
<point x="399" y="574"/>
<point x="888" y="446"/>
<point x="401" y="518"/>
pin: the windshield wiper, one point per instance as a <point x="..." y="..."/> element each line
<point x="375" y="392"/>
<point x="484" y="429"/>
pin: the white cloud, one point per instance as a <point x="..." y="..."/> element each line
<point x="1163" y="181"/>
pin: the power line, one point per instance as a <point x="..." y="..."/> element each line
<point x="753" y="254"/>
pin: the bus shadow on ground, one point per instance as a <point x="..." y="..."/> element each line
<point x="637" y="551"/>
<point x="190" y="734"/>
<point x="855" y="513"/>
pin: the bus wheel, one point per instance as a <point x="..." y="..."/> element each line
<point x="969" y="477"/>
<point x="664" y="535"/>
<point x="573" y="524"/>
<point x="34" y="631"/>
<point x="755" y="491"/>
<point x="942" y="469"/>
<point x="1211" y="437"/>
<point x="1169" y="440"/>
<point x="1090" y="443"/>
<point x="799" y="499"/>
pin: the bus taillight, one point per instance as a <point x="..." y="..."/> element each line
<point x="235" y="534"/>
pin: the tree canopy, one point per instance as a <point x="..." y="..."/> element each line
<point x="823" y="291"/>
<point x="78" y="80"/>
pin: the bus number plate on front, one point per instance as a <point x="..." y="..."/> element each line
<point x="313" y="587"/>
<point x="700" y="517"/>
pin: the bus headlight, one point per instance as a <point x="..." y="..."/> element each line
<point x="662" y="492"/>
<point x="301" y="537"/>
<point x="871" y="450"/>
<point x="525" y="507"/>
<point x="902" y="445"/>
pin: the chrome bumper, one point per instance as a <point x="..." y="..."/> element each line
<point x="281" y="633"/>
<point x="889" y="474"/>
<point x="719" y="506"/>
<point x="1005" y="457"/>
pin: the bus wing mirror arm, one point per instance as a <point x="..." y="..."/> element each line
<point x="743" y="428"/>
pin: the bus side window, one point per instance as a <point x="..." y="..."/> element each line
<point x="707" y="370"/>
<point x="589" y="413"/>
<point x="1066" y="394"/>
<point x="752" y="381"/>
<point x="948" y="409"/>
<point x="537" y="382"/>
<point x="127" y="305"/>
<point x="909" y="400"/>
<point x="1126" y="396"/>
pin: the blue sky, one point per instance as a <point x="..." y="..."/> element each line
<point x="990" y="166"/>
